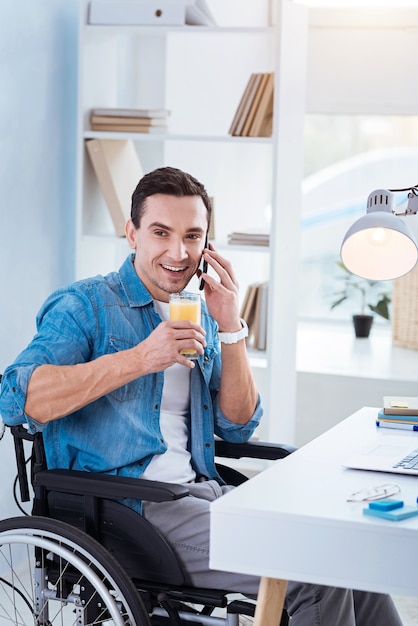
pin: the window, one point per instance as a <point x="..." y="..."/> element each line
<point x="346" y="157"/>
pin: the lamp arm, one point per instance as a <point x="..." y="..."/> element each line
<point x="414" y="189"/>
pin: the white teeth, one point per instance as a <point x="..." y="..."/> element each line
<point x="173" y="269"/>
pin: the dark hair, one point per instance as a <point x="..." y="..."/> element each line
<point x="169" y="181"/>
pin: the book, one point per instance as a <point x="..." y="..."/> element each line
<point x="118" y="170"/>
<point x="250" y="237"/>
<point x="255" y="81"/>
<point x="400" y="405"/>
<point x="254" y="105"/>
<point x="262" y="304"/>
<point x="248" y="306"/>
<point x="116" y="112"/>
<point x="254" y="312"/>
<point x="397" y="418"/>
<point x="242" y="103"/>
<point x="128" y="128"/>
<point x="133" y="121"/>
<point x="262" y="122"/>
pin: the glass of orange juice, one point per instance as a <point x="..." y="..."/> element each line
<point x="186" y="306"/>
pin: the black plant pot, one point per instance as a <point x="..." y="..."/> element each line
<point x="362" y="325"/>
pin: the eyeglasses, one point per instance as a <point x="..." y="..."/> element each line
<point x="368" y="494"/>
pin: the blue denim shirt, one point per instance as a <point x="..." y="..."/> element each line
<point x="120" y="432"/>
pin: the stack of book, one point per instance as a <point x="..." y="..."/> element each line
<point x="254" y="311"/>
<point x="129" y="120"/>
<point x="254" y="114"/>
<point x="400" y="412"/>
<point x="251" y="237"/>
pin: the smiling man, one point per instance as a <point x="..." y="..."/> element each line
<point x="105" y="381"/>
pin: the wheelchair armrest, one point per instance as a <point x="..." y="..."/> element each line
<point x="108" y="485"/>
<point x="252" y="449"/>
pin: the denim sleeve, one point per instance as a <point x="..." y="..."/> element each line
<point x="13" y="397"/>
<point x="236" y="433"/>
<point x="62" y="339"/>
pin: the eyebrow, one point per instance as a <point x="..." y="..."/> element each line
<point x="193" y="229"/>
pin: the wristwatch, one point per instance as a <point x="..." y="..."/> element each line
<point x="234" y="337"/>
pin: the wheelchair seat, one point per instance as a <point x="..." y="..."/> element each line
<point x="77" y="511"/>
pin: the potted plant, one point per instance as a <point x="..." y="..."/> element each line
<point x="371" y="295"/>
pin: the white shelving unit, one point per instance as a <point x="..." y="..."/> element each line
<point x="199" y="74"/>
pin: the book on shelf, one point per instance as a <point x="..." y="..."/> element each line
<point x="118" y="170"/>
<point x="254" y="114"/>
<point x="251" y="237"/>
<point x="254" y="311"/>
<point x="262" y="123"/>
<point x="400" y="405"/>
<point x="244" y="105"/>
<point x="107" y="120"/>
<point x="129" y="128"/>
<point x="254" y="105"/>
<point x="123" y="112"/>
<point x="247" y="311"/>
<point x="128" y="121"/>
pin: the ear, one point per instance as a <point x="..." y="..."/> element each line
<point x="130" y="231"/>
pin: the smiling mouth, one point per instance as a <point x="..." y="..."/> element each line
<point x="174" y="270"/>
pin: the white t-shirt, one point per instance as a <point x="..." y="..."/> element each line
<point x="174" y="465"/>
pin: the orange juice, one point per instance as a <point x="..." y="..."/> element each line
<point x="186" y="306"/>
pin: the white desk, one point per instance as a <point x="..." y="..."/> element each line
<point x="292" y="521"/>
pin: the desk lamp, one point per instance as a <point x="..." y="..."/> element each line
<point x="380" y="245"/>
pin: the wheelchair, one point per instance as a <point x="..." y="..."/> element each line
<point x="82" y="558"/>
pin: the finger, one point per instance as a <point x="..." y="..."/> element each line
<point x="183" y="360"/>
<point x="222" y="267"/>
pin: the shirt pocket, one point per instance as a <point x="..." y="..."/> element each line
<point x="131" y="390"/>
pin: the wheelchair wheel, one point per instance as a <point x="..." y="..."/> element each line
<point x="52" y="573"/>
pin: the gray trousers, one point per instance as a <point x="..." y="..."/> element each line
<point x="185" y="524"/>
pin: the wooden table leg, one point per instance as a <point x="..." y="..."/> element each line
<point x="270" y="601"/>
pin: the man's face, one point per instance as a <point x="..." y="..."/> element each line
<point x="168" y="243"/>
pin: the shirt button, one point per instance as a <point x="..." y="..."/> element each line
<point x="157" y="406"/>
<point x="205" y="406"/>
<point x="207" y="445"/>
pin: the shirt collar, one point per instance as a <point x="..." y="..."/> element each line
<point x="136" y="292"/>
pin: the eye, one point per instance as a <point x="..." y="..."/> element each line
<point x="194" y="236"/>
<point x="160" y="233"/>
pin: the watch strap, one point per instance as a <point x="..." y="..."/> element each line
<point x="230" y="338"/>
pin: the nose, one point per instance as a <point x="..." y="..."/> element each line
<point x="178" y="250"/>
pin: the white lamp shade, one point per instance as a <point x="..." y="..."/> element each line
<point x="379" y="246"/>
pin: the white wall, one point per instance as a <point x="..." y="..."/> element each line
<point x="38" y="51"/>
<point x="362" y="61"/>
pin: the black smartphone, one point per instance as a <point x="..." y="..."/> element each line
<point x="204" y="266"/>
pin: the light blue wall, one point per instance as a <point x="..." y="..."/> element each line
<point x="38" y="98"/>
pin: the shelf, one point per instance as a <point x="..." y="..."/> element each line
<point x="250" y="178"/>
<point x="186" y="29"/>
<point x="91" y="134"/>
